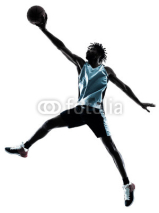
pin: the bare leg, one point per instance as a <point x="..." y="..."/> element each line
<point x="55" y="122"/>
<point x="110" y="146"/>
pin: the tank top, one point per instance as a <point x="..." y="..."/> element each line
<point x="92" y="83"/>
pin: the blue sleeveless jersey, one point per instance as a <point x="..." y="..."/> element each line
<point x="92" y="83"/>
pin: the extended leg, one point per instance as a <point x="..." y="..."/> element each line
<point x="110" y="146"/>
<point x="22" y="150"/>
<point x="128" y="187"/>
<point x="44" y="129"/>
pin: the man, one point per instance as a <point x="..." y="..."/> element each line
<point x="92" y="82"/>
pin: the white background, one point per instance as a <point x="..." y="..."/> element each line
<point x="70" y="170"/>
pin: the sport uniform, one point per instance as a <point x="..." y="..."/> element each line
<point x="92" y="83"/>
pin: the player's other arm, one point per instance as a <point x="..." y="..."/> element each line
<point x="60" y="45"/>
<point x="126" y="89"/>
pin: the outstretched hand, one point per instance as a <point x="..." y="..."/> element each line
<point x="145" y="105"/>
<point x="42" y="25"/>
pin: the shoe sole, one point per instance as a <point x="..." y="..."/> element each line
<point x="15" y="154"/>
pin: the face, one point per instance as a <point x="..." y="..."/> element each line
<point x="92" y="54"/>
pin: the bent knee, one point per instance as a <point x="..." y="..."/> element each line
<point x="47" y="126"/>
<point x="52" y="123"/>
<point x="109" y="144"/>
<point x="112" y="149"/>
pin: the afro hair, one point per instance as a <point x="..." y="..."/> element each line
<point x="101" y="50"/>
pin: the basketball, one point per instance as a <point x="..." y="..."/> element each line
<point x="35" y="14"/>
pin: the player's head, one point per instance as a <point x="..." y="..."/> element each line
<point x="96" y="51"/>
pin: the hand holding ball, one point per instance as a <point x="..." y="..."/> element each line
<point x="36" y="15"/>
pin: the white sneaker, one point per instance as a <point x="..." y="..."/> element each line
<point x="129" y="193"/>
<point x="18" y="150"/>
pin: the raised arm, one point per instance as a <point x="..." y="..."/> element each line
<point x="126" y="89"/>
<point x="78" y="61"/>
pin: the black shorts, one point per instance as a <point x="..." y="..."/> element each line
<point x="83" y="114"/>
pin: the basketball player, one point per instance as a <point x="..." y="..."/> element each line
<point x="93" y="77"/>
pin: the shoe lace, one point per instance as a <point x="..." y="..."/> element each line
<point x="126" y="192"/>
<point x="18" y="147"/>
